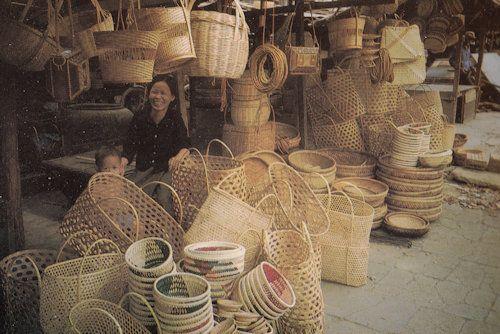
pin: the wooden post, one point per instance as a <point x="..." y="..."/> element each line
<point x="182" y="100"/>
<point x="456" y="80"/>
<point x="9" y="163"/>
<point x="301" y="110"/>
<point x="479" y="69"/>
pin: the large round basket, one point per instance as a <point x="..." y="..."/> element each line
<point x="406" y="224"/>
<point x="221" y="43"/>
<point x="417" y="203"/>
<point x="352" y="163"/>
<point x="370" y="191"/>
<point x="346" y="34"/>
<point x="408" y="173"/>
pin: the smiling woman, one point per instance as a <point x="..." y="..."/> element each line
<point x="157" y="138"/>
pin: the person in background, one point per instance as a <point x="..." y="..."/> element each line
<point x="108" y="159"/>
<point x="157" y="139"/>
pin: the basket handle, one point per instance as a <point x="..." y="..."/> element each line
<point x="66" y="242"/>
<point x="174" y="193"/>
<point x="33" y="263"/>
<point x="134" y="212"/>
<point x="350" y="202"/>
<point x="215" y="140"/>
<point x="145" y="302"/>
<point x="307" y="236"/>
<point x="82" y="262"/>
<point x="355" y="187"/>
<point x="251" y="230"/>
<point x="98" y="310"/>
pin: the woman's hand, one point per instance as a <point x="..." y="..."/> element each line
<point x="173" y="163"/>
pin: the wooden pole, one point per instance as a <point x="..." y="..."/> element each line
<point x="299" y="39"/>
<point x="456" y="79"/>
<point x="479" y="67"/>
<point x="9" y="163"/>
<point x="182" y="101"/>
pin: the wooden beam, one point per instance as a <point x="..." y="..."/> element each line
<point x="9" y="163"/>
<point x="479" y="67"/>
<point x="458" y="70"/>
<point x="301" y="110"/>
<point x="182" y="100"/>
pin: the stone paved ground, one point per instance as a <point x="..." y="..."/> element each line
<point x="448" y="282"/>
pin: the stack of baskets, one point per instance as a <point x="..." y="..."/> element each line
<point x="369" y="191"/>
<point x="265" y="291"/>
<point x="147" y="259"/>
<point x="409" y="142"/>
<point x="183" y="304"/>
<point x="352" y="163"/>
<point x="317" y="169"/>
<point x="250" y="110"/>
<point x="414" y="190"/>
<point x="220" y="263"/>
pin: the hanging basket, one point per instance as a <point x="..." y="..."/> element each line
<point x="346" y="34"/>
<point x="25" y="47"/>
<point x="402" y="42"/>
<point x="176" y="46"/>
<point x="221" y="43"/>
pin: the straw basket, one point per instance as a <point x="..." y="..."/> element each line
<point x="287" y="137"/>
<point x="244" y="139"/>
<point x="115" y="208"/>
<point x="84" y="24"/>
<point x="342" y="93"/>
<point x="410" y="73"/>
<point x="126" y="55"/>
<point x="243" y="89"/>
<point x="221" y="43"/>
<point x="370" y="191"/>
<point x="352" y="163"/>
<point x="293" y="257"/>
<point x="346" y="34"/>
<point x="431" y="174"/>
<point x="246" y="113"/>
<point x="66" y="283"/>
<point x="374" y="96"/>
<point x="416" y="203"/>
<point x="403" y="43"/>
<point x="20" y="277"/>
<point x="25" y="47"/>
<point x="101" y="316"/>
<point x="174" y="26"/>
<point x="197" y="174"/>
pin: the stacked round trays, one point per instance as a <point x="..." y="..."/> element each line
<point x="220" y="263"/>
<point x="183" y="304"/>
<point x="352" y="163"/>
<point x="370" y="191"/>
<point x="413" y="190"/>
<point x="311" y="163"/>
<point x="147" y="259"/>
<point x="409" y="142"/>
<point x="265" y="291"/>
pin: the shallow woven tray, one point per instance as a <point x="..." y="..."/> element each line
<point x="406" y="224"/>
<point x="373" y="191"/>
<point x="412" y="173"/>
<point x="377" y="224"/>
<point x="428" y="214"/>
<point x="311" y="161"/>
<point x="352" y="163"/>
<point x="415" y="202"/>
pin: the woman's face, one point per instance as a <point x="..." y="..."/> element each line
<point x="160" y="96"/>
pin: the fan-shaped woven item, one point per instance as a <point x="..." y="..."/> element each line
<point x="115" y="208"/>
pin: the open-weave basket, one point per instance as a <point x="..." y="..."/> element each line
<point x="374" y="96"/>
<point x="241" y="139"/>
<point x="176" y="44"/>
<point x="64" y="284"/>
<point x="352" y="163"/>
<point x="293" y="256"/>
<point x="377" y="132"/>
<point x="221" y="43"/>
<point x="84" y="23"/>
<point x="370" y="191"/>
<point x="410" y="73"/>
<point x="402" y="42"/>
<point x="115" y="208"/>
<point x="24" y="46"/>
<point x="20" y="278"/>
<point x="102" y="316"/>
<point x="341" y="91"/>
<point x="197" y="174"/>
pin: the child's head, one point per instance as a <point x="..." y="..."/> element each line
<point x="108" y="159"/>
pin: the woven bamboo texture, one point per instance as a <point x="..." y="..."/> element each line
<point x="221" y="43"/>
<point x="346" y="34"/>
<point x="420" y="173"/>
<point x="20" y="276"/>
<point x="378" y="134"/>
<point x="246" y="113"/>
<point x="197" y="174"/>
<point x="352" y="163"/>
<point x="293" y="256"/>
<point x="342" y="93"/>
<point x="244" y="139"/>
<point x="371" y="191"/>
<point x="410" y="73"/>
<point x="403" y="43"/>
<point x="64" y="284"/>
<point x="374" y="96"/>
<point x="115" y="208"/>
<point x="176" y="44"/>
<point x="24" y="46"/>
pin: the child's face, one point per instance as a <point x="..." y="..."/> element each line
<point x="112" y="164"/>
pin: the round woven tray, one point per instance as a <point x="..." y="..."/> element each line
<point x="371" y="191"/>
<point x="380" y="212"/>
<point x="311" y="162"/>
<point x="409" y="186"/>
<point x="432" y="192"/>
<point x="377" y="224"/>
<point x="352" y="163"/>
<point x="428" y="214"/>
<point x="406" y="224"/>
<point x="415" y="202"/>
<point x="436" y="159"/>
<point x="411" y="173"/>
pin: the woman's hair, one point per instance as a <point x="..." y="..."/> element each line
<point x="171" y="82"/>
<point x="104" y="152"/>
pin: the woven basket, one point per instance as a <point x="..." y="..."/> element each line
<point x="410" y="73"/>
<point x="342" y="93"/>
<point x="370" y="191"/>
<point x="126" y="55"/>
<point x="244" y="139"/>
<point x="379" y="213"/>
<point x="66" y="283"/>
<point x="460" y="140"/>
<point x="20" y="277"/>
<point x="83" y="24"/>
<point x="293" y="256"/>
<point x="25" y="47"/>
<point x="221" y="43"/>
<point x="115" y="208"/>
<point x="402" y="186"/>
<point x="101" y="316"/>
<point x="425" y="7"/>
<point x="246" y="113"/>
<point x="430" y="215"/>
<point x="311" y="161"/>
<point x="452" y="7"/>
<point x="403" y="43"/>
<point x="408" y="173"/>
<point x="436" y="159"/>
<point x="287" y="137"/>
<point x="176" y="43"/>
<point x="352" y="163"/>
<point x="374" y="96"/>
<point x="197" y="174"/>
<point x="243" y="89"/>
<point x="346" y="34"/>
<point x="416" y="203"/>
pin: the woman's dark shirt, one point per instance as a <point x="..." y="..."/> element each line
<point x="154" y="143"/>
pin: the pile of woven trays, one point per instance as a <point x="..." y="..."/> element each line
<point x="410" y="141"/>
<point x="416" y="190"/>
<point x="352" y="163"/>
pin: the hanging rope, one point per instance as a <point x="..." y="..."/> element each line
<point x="383" y="69"/>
